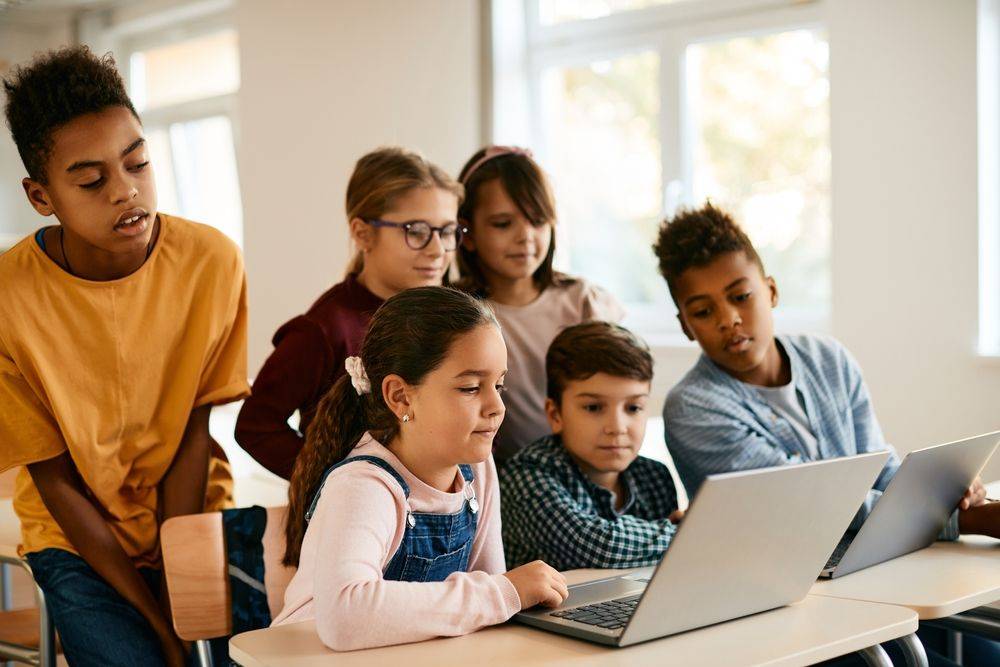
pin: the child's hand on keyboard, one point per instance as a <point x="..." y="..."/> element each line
<point x="538" y="583"/>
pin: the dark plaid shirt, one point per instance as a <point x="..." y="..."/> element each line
<point x="552" y="512"/>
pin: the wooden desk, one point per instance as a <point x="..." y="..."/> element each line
<point x="816" y="629"/>
<point x="944" y="579"/>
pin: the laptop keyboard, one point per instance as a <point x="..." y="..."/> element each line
<point x="611" y="615"/>
<point x="839" y="552"/>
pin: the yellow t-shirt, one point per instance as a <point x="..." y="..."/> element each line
<point x="110" y="371"/>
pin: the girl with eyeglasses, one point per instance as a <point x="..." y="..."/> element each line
<point x="402" y="214"/>
<point x="506" y="256"/>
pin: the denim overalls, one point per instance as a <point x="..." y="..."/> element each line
<point x="434" y="545"/>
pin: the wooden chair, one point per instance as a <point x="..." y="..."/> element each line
<point x="196" y="568"/>
<point x="26" y="635"/>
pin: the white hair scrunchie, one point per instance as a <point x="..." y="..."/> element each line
<point x="358" y="376"/>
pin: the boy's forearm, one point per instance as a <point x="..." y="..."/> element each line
<point x="183" y="487"/>
<point x="64" y="495"/>
<point x="980" y="520"/>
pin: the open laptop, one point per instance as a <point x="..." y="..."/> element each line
<point x="750" y="541"/>
<point x="915" y="505"/>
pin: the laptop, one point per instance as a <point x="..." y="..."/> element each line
<point x="915" y="505"/>
<point x="750" y="541"/>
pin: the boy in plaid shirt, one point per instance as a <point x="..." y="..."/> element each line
<point x="583" y="497"/>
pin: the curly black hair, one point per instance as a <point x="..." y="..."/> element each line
<point x="52" y="90"/>
<point x="695" y="237"/>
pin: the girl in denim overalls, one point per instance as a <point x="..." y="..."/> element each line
<point x="394" y="517"/>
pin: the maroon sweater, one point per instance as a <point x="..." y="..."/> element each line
<point x="308" y="357"/>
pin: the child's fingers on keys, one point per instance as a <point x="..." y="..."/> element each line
<point x="561" y="586"/>
<point x="975" y="495"/>
<point x="553" y="598"/>
<point x="978" y="494"/>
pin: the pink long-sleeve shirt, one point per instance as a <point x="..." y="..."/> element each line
<point x="355" y="531"/>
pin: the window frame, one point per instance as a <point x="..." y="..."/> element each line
<point x="666" y="29"/>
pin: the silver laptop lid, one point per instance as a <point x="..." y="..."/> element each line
<point x="918" y="501"/>
<point x="751" y="541"/>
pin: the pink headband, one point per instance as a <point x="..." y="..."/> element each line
<point x="492" y="152"/>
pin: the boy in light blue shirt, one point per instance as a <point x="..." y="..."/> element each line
<point x="755" y="399"/>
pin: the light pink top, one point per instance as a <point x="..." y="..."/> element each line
<point x="528" y="331"/>
<point x="358" y="526"/>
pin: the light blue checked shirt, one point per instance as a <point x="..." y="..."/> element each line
<point x="714" y="423"/>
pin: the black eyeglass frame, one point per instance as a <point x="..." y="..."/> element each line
<point x="460" y="231"/>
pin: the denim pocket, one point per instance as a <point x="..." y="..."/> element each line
<point x="418" y="568"/>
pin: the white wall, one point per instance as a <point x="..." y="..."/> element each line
<point x="903" y="115"/>
<point x="19" y="41"/>
<point x="323" y="83"/>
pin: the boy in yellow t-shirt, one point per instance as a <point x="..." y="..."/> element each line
<point x="120" y="328"/>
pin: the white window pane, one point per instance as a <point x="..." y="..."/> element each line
<point x="193" y="69"/>
<point x="205" y="168"/>
<point x="761" y="149"/>
<point x="559" y="11"/>
<point x="603" y="151"/>
<point x="162" y="161"/>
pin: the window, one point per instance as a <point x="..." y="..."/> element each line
<point x="183" y="82"/>
<point x="637" y="107"/>
<point x="761" y="149"/>
<point x="603" y="147"/>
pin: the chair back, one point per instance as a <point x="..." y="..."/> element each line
<point x="195" y="565"/>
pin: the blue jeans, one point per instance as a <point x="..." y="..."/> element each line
<point x="976" y="651"/>
<point x="96" y="625"/>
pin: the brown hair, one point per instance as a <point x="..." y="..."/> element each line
<point x="385" y="174"/>
<point x="695" y="237"/>
<point x="409" y="336"/>
<point x="526" y="184"/>
<point x="584" y="350"/>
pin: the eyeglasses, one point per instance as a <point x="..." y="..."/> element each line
<point x="418" y="233"/>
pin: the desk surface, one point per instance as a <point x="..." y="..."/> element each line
<point x="944" y="579"/>
<point x="818" y="628"/>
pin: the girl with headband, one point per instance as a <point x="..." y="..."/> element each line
<point x="506" y="256"/>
